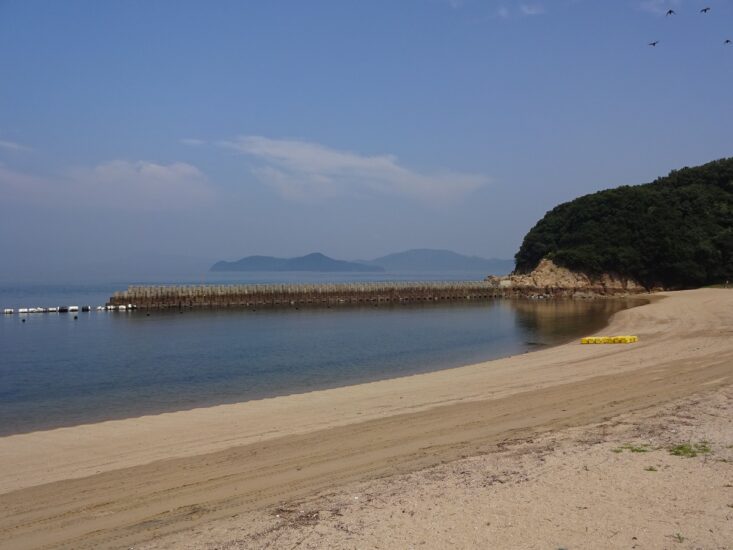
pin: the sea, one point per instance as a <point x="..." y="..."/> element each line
<point x="61" y="369"/>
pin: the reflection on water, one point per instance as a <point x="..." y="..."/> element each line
<point x="57" y="370"/>
<point x="558" y="320"/>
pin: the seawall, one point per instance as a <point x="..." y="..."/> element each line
<point x="261" y="296"/>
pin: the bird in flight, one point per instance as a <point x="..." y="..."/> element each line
<point x="704" y="10"/>
<point x="671" y="12"/>
<point x="654" y="43"/>
<point x="728" y="41"/>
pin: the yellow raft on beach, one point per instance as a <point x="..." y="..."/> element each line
<point x="609" y="339"/>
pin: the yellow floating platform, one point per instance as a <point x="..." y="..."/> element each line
<point x="609" y="339"/>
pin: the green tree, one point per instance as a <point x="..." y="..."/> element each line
<point x="676" y="232"/>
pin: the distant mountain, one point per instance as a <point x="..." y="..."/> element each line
<point x="421" y="260"/>
<point x="311" y="262"/>
<point x="425" y="259"/>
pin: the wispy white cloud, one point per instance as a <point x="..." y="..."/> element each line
<point x="15" y="147"/>
<point x="519" y="10"/>
<point x="192" y="141"/>
<point x="115" y="185"/>
<point x="532" y="9"/>
<point x="144" y="185"/>
<point x="14" y="183"/>
<point x="658" y="7"/>
<point x="301" y="170"/>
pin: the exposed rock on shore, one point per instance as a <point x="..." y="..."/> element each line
<point x="549" y="279"/>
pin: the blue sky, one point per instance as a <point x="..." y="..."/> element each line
<point x="223" y="129"/>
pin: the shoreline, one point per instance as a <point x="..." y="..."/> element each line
<point x="107" y="479"/>
<point x="599" y="316"/>
<point x="86" y="435"/>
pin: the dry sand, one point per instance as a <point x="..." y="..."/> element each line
<point x="121" y="483"/>
<point x="608" y="485"/>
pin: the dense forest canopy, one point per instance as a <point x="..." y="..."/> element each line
<point x="676" y="232"/>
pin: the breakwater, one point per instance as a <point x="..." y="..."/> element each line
<point x="296" y="295"/>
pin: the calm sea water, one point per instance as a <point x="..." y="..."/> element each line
<point x="58" y="371"/>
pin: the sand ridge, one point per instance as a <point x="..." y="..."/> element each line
<point x="121" y="482"/>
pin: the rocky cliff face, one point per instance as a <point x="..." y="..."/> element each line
<point x="549" y="279"/>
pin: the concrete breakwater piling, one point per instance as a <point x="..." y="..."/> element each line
<point x="296" y="295"/>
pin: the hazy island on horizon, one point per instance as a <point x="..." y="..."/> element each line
<point x="416" y="260"/>
<point x="310" y="262"/>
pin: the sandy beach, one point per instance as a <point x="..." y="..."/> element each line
<point x="517" y="452"/>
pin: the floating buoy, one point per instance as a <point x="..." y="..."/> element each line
<point x="627" y="339"/>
